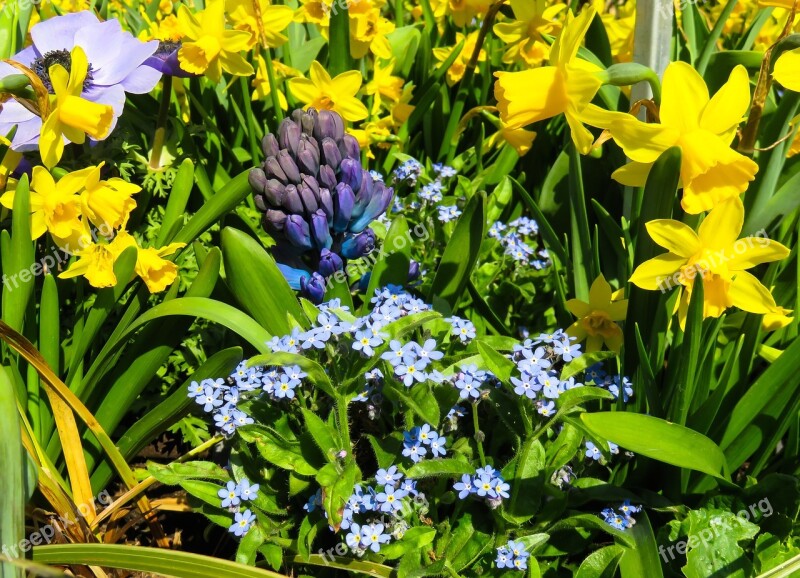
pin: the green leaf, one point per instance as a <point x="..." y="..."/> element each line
<point x="18" y="260"/>
<point x="12" y="476"/>
<point x="715" y="549"/>
<point x="152" y="561"/>
<point x="210" y="309"/>
<point x="393" y="262"/>
<point x="578" y="395"/>
<point x="466" y="543"/>
<point x="257" y="283"/>
<point x="335" y="497"/>
<point x="439" y="467"/>
<point x="643" y="558"/>
<point x="176" y="473"/>
<point x="325" y="436"/>
<point x="418" y="399"/>
<point x="527" y="483"/>
<point x="501" y="366"/>
<point x="249" y="545"/>
<point x="601" y="563"/>
<point x="285" y="455"/>
<point x="592" y="522"/>
<point x="220" y="203"/>
<point x="414" y="539"/>
<point x="660" y="440"/>
<point x="461" y="253"/>
<point x="339" y="42"/>
<point x="176" y="203"/>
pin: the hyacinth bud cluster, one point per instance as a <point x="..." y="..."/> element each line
<point x="316" y="198"/>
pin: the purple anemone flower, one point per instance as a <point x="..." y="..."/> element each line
<point x="115" y="58"/>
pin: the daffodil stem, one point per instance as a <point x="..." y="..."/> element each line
<point x="450" y="141"/>
<point x="273" y="86"/>
<point x="161" y="123"/>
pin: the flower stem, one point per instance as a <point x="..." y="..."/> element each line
<point x="273" y="86"/>
<point x="161" y="123"/>
<point x="478" y="434"/>
<point x="344" y="426"/>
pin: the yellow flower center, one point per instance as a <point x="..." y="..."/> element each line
<point x="599" y="323"/>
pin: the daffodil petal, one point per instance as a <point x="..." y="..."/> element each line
<point x="751" y="251"/>
<point x="722" y="225"/>
<point x="600" y="293"/>
<point x="519" y="105"/>
<point x="632" y="174"/>
<point x="657" y="273"/>
<point x="727" y="107"/>
<point x="684" y="97"/>
<point x="787" y="69"/>
<point x="674" y="236"/>
<point x="578" y="308"/>
<point x="748" y="294"/>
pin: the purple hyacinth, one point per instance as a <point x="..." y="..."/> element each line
<point x="316" y="198"/>
<point x="116" y="66"/>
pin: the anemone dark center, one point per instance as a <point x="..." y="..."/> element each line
<point x="41" y="67"/>
<point x="165" y="48"/>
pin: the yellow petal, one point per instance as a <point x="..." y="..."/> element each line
<point x="727" y="107"/>
<point x="614" y="341"/>
<point x="658" y="272"/>
<point x="351" y="109"/>
<point x="188" y="24"/>
<point x="519" y="105"/>
<point x="59" y="78"/>
<point x="787" y="69"/>
<point x="236" y="40"/>
<point x="577" y="330"/>
<point x="641" y="142"/>
<point x="600" y="293"/>
<point x="674" y="236"/>
<point x="319" y="76"/>
<point x="618" y="310"/>
<point x="684" y="97"/>
<point x="566" y="45"/>
<point x="751" y="251"/>
<point x="346" y="84"/>
<point x="722" y="225"/>
<point x="632" y="174"/>
<point x="79" y="67"/>
<point x="578" y="308"/>
<point x="303" y="89"/>
<point x="235" y="64"/>
<point x="748" y="294"/>
<point x="51" y="144"/>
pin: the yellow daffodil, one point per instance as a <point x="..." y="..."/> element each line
<point x="523" y="35"/>
<point x="96" y="261"/>
<point x="264" y="22"/>
<point x="715" y="255"/>
<point x="315" y="12"/>
<point x="368" y="30"/>
<point x="456" y="71"/>
<point x="156" y="272"/>
<point x="597" y="319"/>
<point x="208" y="47"/>
<point x="384" y="87"/>
<point x="55" y="206"/>
<point x="566" y="86"/>
<point x="71" y="116"/>
<point x="463" y="11"/>
<point x="323" y="92"/>
<point x="702" y="127"/>
<point x="10" y="161"/>
<point x="107" y="204"/>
